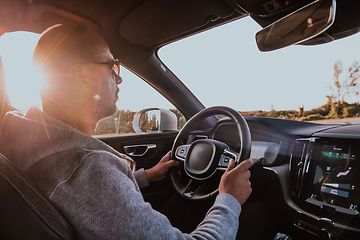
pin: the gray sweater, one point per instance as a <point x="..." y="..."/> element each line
<point x="94" y="185"/>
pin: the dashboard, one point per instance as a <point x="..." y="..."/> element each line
<point x="265" y="150"/>
<point x="311" y="179"/>
<point x="335" y="175"/>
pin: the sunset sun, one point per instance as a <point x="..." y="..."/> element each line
<point x="22" y="80"/>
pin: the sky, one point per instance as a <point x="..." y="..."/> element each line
<point x="222" y="66"/>
<point x="22" y="83"/>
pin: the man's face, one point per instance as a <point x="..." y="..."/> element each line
<point x="103" y="87"/>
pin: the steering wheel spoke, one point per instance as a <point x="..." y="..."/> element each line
<point x="194" y="188"/>
<point x="181" y="152"/>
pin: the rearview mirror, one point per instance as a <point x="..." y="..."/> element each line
<point x="297" y="27"/>
<point x="153" y="120"/>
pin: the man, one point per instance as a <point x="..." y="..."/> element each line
<point x="91" y="183"/>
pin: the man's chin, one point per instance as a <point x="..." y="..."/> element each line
<point x="110" y="112"/>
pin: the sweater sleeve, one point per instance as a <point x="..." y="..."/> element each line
<point x="221" y="221"/>
<point x="141" y="178"/>
<point x="103" y="201"/>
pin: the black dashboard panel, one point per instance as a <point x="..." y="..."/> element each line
<point x="267" y="131"/>
<point x="312" y="188"/>
<point x="347" y="131"/>
<point x="336" y="175"/>
<point x="325" y="181"/>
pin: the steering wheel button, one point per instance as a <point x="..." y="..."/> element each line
<point x="181" y="152"/>
<point x="224" y="161"/>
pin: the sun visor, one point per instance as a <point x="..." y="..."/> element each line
<point x="155" y="21"/>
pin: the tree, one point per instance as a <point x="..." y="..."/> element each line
<point x="273" y="112"/>
<point x="126" y="121"/>
<point x="347" y="85"/>
<point x="180" y="117"/>
<point x="153" y="124"/>
<point x="301" y="111"/>
<point x="145" y="123"/>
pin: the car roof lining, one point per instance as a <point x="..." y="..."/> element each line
<point x="153" y="21"/>
<point x="139" y="33"/>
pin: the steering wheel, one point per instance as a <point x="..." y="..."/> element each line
<point x="202" y="158"/>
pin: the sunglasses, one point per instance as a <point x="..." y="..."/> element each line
<point x="115" y="65"/>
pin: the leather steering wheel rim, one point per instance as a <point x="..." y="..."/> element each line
<point x="243" y="133"/>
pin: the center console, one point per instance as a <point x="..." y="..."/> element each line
<point x="325" y="185"/>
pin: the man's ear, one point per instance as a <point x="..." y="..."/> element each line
<point x="77" y="73"/>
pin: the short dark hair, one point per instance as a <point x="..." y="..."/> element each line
<point x="57" y="50"/>
<point x="64" y="44"/>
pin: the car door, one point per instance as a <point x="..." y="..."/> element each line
<point x="146" y="149"/>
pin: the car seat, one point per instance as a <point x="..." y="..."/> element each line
<point x="25" y="213"/>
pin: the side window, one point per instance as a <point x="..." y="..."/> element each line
<point x="22" y="84"/>
<point x="22" y="88"/>
<point x="135" y="95"/>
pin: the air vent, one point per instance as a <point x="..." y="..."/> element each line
<point x="193" y="138"/>
<point x="299" y="163"/>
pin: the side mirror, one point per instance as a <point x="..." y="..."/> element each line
<point x="297" y="27"/>
<point x="154" y="120"/>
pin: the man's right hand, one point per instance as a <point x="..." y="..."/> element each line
<point x="235" y="181"/>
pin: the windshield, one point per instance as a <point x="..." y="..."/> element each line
<point x="223" y="66"/>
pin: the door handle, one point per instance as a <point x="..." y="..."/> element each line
<point x="138" y="150"/>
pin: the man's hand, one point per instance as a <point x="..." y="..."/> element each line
<point x="235" y="181"/>
<point x="158" y="172"/>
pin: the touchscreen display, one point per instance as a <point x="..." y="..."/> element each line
<point x="337" y="175"/>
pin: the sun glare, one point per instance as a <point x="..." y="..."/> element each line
<point x="23" y="81"/>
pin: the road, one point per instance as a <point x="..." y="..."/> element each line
<point x="340" y="121"/>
